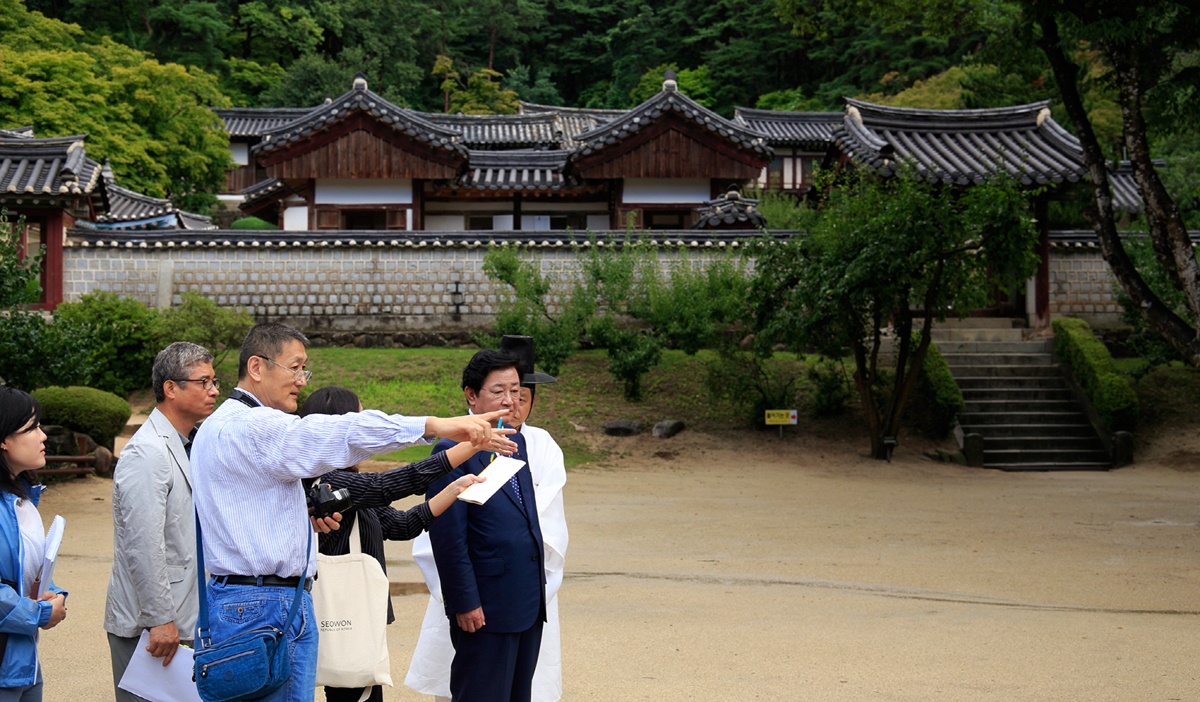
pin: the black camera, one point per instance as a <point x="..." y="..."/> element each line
<point x="323" y="500"/>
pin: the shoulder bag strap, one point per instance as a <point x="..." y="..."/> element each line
<point x="202" y="622"/>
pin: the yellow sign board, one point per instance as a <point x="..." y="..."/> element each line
<point x="787" y="416"/>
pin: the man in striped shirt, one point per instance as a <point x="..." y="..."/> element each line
<point x="248" y="460"/>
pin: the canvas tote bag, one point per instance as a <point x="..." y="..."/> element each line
<point x="350" y="598"/>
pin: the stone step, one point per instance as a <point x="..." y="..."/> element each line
<point x="1027" y="407"/>
<point x="1017" y="393"/>
<point x="955" y="360"/>
<point x="947" y="335"/>
<point x="1087" y="442"/>
<point x="980" y="419"/>
<point x="1019" y="429"/>
<point x="1015" y="382"/>
<point x="1057" y="466"/>
<point x="982" y="323"/>
<point x="997" y="347"/>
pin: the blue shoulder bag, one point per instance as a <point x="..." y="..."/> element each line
<point x="248" y="666"/>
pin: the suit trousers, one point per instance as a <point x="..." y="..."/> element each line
<point x="494" y="667"/>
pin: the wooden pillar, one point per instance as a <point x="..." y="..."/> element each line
<point x="517" y="211"/>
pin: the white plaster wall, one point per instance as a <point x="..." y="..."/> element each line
<point x="445" y="223"/>
<point x="598" y="221"/>
<point x="295" y="219"/>
<point x="352" y="191"/>
<point x="665" y="191"/>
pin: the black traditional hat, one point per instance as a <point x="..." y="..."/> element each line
<point x="522" y="348"/>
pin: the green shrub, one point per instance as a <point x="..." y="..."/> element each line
<point x="752" y="384"/>
<point x="937" y="400"/>
<point x="1109" y="391"/>
<point x="199" y="320"/>
<point x="36" y="352"/>
<point x="631" y="354"/>
<point x="831" y="388"/>
<point x="99" y="414"/>
<point x="123" y="341"/>
<point x="251" y="223"/>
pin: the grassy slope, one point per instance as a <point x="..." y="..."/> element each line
<point x="426" y="381"/>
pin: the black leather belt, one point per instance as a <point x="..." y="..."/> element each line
<point x="262" y="580"/>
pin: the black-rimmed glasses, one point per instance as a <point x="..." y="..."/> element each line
<point x="209" y="383"/>
<point x="300" y="374"/>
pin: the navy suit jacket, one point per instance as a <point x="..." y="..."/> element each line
<point x="491" y="555"/>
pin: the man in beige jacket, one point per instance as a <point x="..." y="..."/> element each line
<point x="153" y="582"/>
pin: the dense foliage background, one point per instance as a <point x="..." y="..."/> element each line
<point x="137" y="75"/>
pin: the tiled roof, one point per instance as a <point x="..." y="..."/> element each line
<point x="1126" y="196"/>
<point x="962" y="146"/>
<point x="670" y="100"/>
<point x="730" y="209"/>
<point x="275" y="239"/>
<point x="361" y="100"/>
<point x="255" y="121"/>
<point x="516" y="170"/>
<point x="1086" y="238"/>
<point x="127" y="207"/>
<point x="54" y="167"/>
<point x="18" y="132"/>
<point x="262" y="190"/>
<point x="807" y="130"/>
<point x="573" y="121"/>
<point x="504" y="131"/>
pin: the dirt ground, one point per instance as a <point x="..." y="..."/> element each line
<point x="746" y="567"/>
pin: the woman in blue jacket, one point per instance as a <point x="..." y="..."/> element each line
<point x="22" y="544"/>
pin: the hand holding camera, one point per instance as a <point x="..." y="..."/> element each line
<point x="323" y="500"/>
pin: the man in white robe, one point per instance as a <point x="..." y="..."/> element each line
<point x="429" y="672"/>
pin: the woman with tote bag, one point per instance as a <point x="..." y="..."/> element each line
<point x="370" y="520"/>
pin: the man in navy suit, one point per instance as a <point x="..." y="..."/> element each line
<point x="490" y="559"/>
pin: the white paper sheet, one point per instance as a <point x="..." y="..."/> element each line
<point x="53" y="541"/>
<point x="497" y="473"/>
<point x="146" y="677"/>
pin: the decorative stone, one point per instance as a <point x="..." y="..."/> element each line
<point x="623" y="427"/>
<point x="667" y="428"/>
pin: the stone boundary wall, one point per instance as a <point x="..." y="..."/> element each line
<point x="401" y="291"/>
<point x="378" y="292"/>
<point x="1082" y="285"/>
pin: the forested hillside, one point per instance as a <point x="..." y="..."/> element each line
<point x="138" y="76"/>
<point x="586" y="53"/>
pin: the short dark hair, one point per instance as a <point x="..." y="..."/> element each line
<point x="266" y="340"/>
<point x="174" y="362"/>
<point x="483" y="363"/>
<point x="331" y="399"/>
<point x="17" y="408"/>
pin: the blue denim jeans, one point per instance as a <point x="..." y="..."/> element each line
<point x="234" y="609"/>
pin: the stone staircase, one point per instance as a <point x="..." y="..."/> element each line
<point x="1017" y="399"/>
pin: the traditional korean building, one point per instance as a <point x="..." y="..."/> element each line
<point x="50" y="185"/>
<point x="359" y="162"/>
<point x="958" y="148"/>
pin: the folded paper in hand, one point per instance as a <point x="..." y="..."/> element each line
<point x="146" y="677"/>
<point x="50" y="555"/>
<point x="497" y="473"/>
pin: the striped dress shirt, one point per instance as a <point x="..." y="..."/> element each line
<point x="247" y="465"/>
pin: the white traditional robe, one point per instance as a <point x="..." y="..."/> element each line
<point x="429" y="672"/>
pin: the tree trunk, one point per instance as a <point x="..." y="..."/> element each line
<point x="1160" y="318"/>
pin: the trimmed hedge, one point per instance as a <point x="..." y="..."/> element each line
<point x="1110" y="392"/>
<point x="252" y="223"/>
<point x="99" y="414"/>
<point x="938" y="398"/>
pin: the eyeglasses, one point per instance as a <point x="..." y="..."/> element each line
<point x="299" y="373"/>
<point x="515" y="394"/>
<point x="209" y="383"/>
